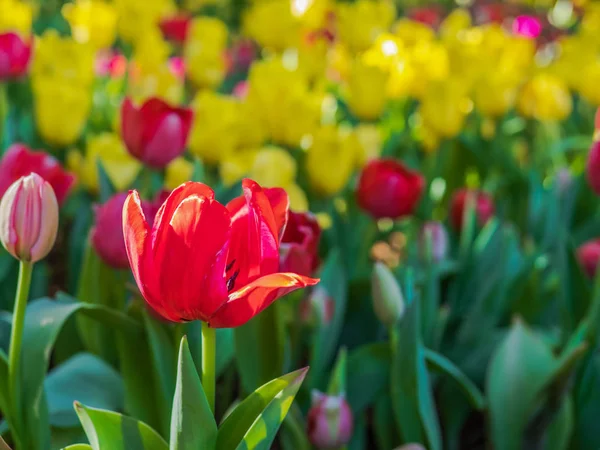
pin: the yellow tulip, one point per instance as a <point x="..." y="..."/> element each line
<point x="282" y="100"/>
<point x="235" y="166"/>
<point x="155" y="81"/>
<point x="16" y="16"/>
<point x="92" y="21"/>
<point x="494" y="94"/>
<point x="545" y="97"/>
<point x="61" y="110"/>
<point x="204" y="52"/>
<point x="588" y="84"/>
<point x="272" y="25"/>
<point x="298" y="199"/>
<point x="64" y="58"/>
<point x="214" y="133"/>
<point x="359" y="23"/>
<point x="366" y="91"/>
<point x="444" y="107"/>
<point x="371" y="143"/>
<point x="458" y="20"/>
<point x="137" y="16"/>
<point x="312" y="57"/>
<point x="273" y="167"/>
<point x="331" y="159"/>
<point x="178" y="172"/>
<point x="120" y="166"/>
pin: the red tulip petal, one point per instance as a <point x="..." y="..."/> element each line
<point x="136" y="232"/>
<point x="250" y="300"/>
<point x="254" y="249"/>
<point x="280" y="203"/>
<point x="190" y="253"/>
<point x="131" y="127"/>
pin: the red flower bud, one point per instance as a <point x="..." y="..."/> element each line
<point x="201" y="260"/>
<point x="29" y="218"/>
<point x="592" y="169"/>
<point x="484" y="207"/>
<point x="156" y="133"/>
<point x="176" y="28"/>
<point x="386" y="188"/>
<point x="300" y="244"/>
<point x="588" y="255"/>
<point x="329" y="421"/>
<point x="15" y="54"/>
<point x="19" y="161"/>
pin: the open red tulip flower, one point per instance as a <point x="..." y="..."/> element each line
<point x="155" y="133"/>
<point x="201" y="260"/>
<point x="15" y="54"/>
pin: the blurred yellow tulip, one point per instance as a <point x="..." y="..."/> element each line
<point x="272" y="24"/>
<point x="92" y="21"/>
<point x="412" y="32"/>
<point x="120" y="166"/>
<point x="444" y="107"/>
<point x="17" y="16"/>
<point x="214" y="133"/>
<point x="494" y="94"/>
<point x="237" y="165"/>
<point x="137" y="16"/>
<point x="331" y="159"/>
<point x="204" y="52"/>
<point x="458" y="20"/>
<point x="61" y="110"/>
<point x="545" y="97"/>
<point x="298" y="199"/>
<point x="589" y="82"/>
<point x="366" y="95"/>
<point x="371" y="143"/>
<point x="178" y="172"/>
<point x="273" y="167"/>
<point x="359" y="23"/>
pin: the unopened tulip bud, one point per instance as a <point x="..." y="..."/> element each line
<point x="436" y="234"/>
<point x="329" y="421"/>
<point x="588" y="255"/>
<point x="592" y="169"/>
<point x="564" y="180"/>
<point x="388" y="301"/>
<point x="29" y="218"/>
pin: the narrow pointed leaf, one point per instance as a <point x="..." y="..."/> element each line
<point x="255" y="421"/>
<point x="110" y="430"/>
<point x="193" y="426"/>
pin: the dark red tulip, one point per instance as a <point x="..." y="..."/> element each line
<point x="176" y="28"/>
<point x="201" y="260"/>
<point x="588" y="255"/>
<point x="428" y="15"/>
<point x="300" y="244"/>
<point x="387" y="188"/>
<point x="484" y="207"/>
<point x="155" y="133"/>
<point x="592" y="169"/>
<point x="15" y="55"/>
<point x="19" y="161"/>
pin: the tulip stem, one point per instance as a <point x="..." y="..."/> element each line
<point x="16" y="335"/>
<point x="209" y="344"/>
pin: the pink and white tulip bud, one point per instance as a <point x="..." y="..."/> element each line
<point x="439" y="241"/>
<point x="29" y="218"/>
<point x="329" y="422"/>
<point x="388" y="301"/>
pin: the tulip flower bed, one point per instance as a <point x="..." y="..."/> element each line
<point x="299" y="225"/>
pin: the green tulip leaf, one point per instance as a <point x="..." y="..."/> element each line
<point x="193" y="425"/>
<point x="518" y="371"/>
<point x="368" y="370"/>
<point x="253" y="424"/>
<point x="110" y="430"/>
<point x="84" y="378"/>
<point x="78" y="447"/>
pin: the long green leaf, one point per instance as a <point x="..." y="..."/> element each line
<point x="253" y="424"/>
<point x="368" y="374"/>
<point x="78" y="447"/>
<point x="193" y="425"/>
<point x="110" y="430"/>
<point x="446" y="366"/>
<point x="43" y="321"/>
<point x="85" y="378"/>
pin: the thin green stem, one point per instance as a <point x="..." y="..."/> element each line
<point x="16" y="335"/>
<point x="209" y="345"/>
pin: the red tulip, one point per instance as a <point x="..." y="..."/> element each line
<point x="329" y="421"/>
<point x="19" y="161"/>
<point x="176" y="28"/>
<point x="205" y="261"/>
<point x="156" y="133"/>
<point x="484" y="207"/>
<point x="592" y="169"/>
<point x="597" y="120"/>
<point x="15" y="54"/>
<point x="428" y="15"/>
<point x="588" y="255"/>
<point x="300" y="244"/>
<point x="386" y="188"/>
